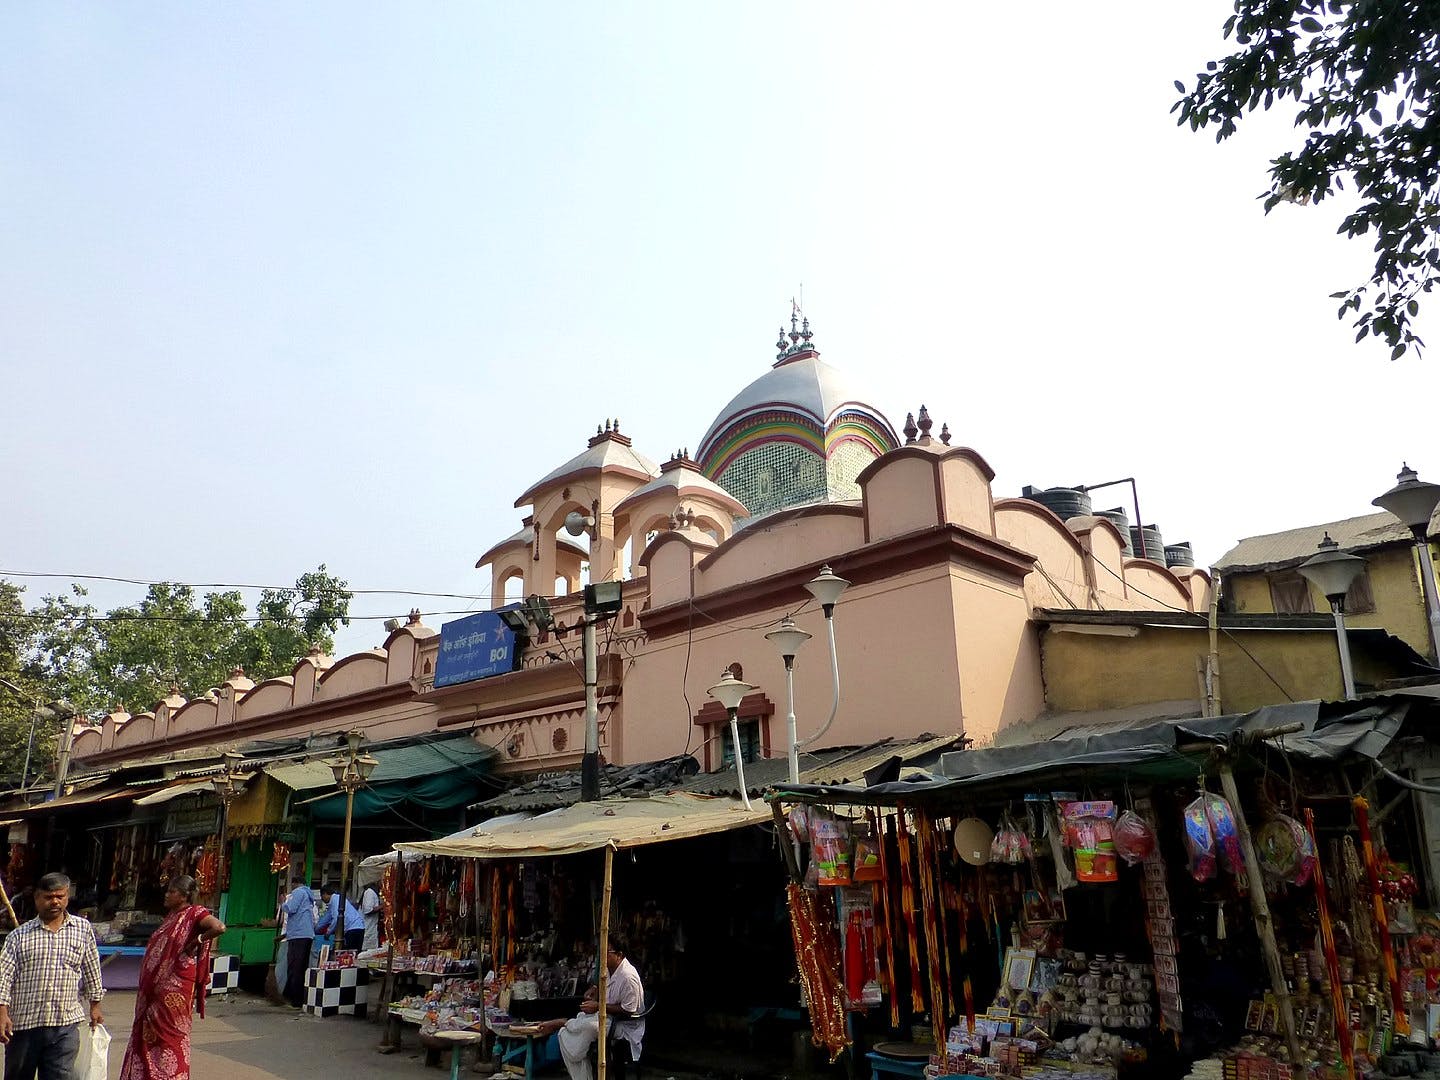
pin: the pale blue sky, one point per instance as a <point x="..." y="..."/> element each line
<point x="289" y="283"/>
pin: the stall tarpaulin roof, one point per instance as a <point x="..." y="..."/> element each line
<point x="617" y="822"/>
<point x="1329" y="732"/>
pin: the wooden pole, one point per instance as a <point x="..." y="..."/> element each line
<point x="782" y="835"/>
<point x="5" y="898"/>
<point x="602" y="949"/>
<point x="1261" y="910"/>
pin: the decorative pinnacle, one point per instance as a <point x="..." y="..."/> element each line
<point x="780" y="343"/>
<point x="925" y="422"/>
<point x="945" y="434"/>
<point x="910" y="430"/>
<point x="805" y="330"/>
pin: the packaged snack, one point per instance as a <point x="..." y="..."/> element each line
<point x="1090" y="835"/>
<point x="1134" y="839"/>
<point x="830" y="848"/>
<point x="865" y="858"/>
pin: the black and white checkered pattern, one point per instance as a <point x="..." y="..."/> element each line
<point x="224" y="975"/>
<point x="337" y="991"/>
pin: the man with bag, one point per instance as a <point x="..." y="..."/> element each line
<point x="47" y="966"/>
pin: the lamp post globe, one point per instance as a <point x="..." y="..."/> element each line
<point x="1333" y="571"/>
<point x="788" y="639"/>
<point x="729" y="692"/>
<point x="1413" y="501"/>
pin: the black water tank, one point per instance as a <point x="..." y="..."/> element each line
<point x="1121" y="521"/>
<point x="1179" y="554"/>
<point x="1064" y="503"/>
<point x="1148" y="544"/>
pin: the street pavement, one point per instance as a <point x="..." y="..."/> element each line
<point x="244" y="1037"/>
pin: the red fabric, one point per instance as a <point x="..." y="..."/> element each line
<point x="172" y="979"/>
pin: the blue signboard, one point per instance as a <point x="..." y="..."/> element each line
<point x="475" y="647"/>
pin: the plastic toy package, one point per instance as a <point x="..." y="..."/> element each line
<point x="1134" y="839"/>
<point x="1090" y="835"/>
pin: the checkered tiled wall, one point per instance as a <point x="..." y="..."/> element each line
<point x="224" y="975"/>
<point x="335" y="991"/>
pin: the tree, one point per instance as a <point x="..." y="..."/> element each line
<point x="132" y="656"/>
<point x="25" y="690"/>
<point x="1364" y="76"/>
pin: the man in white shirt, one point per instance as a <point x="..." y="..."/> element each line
<point x="370" y="908"/>
<point x="624" y="994"/>
<point x="49" y="971"/>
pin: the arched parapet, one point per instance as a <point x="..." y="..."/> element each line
<point x="1154" y="587"/>
<point x="1198" y="583"/>
<point x="86" y="743"/>
<point x="1105" y="552"/>
<point x="1060" y="577"/>
<point x="782" y="541"/>
<point x="137" y="731"/>
<point x="111" y="726"/>
<point x="402" y="649"/>
<point x="270" y="696"/>
<point x="923" y="485"/>
<point x="356" y="672"/>
<point x="200" y="714"/>
<point x="305" y="676"/>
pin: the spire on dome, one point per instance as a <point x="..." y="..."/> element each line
<point x="799" y="345"/>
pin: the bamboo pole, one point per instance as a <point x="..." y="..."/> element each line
<point x="603" y="949"/>
<point x="5" y="898"/>
<point x="1261" y="910"/>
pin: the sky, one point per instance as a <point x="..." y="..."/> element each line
<point x="288" y="284"/>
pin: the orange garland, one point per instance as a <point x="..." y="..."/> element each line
<point x="817" y="958"/>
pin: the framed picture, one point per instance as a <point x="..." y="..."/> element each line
<point x="1019" y="967"/>
<point x="1042" y="908"/>
<point x="996" y="1013"/>
<point x="1046" y="975"/>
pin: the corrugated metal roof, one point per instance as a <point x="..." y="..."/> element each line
<point x="840" y="765"/>
<point x="1274" y="550"/>
<point x="563" y="788"/>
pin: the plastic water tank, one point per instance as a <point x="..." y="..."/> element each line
<point x="1148" y="544"/>
<point x="1179" y="554"/>
<point x="1064" y="503"/>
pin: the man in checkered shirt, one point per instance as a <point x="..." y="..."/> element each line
<point x="47" y="968"/>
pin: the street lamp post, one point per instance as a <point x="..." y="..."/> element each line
<point x="788" y="639"/>
<point x="37" y="711"/>
<point x="1413" y="501"/>
<point x="351" y="773"/>
<point x="729" y="692"/>
<point x="827" y="587"/>
<point x="602" y="600"/>
<point x="1333" y="571"/>
<point x="228" y="786"/>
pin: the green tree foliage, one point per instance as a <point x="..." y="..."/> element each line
<point x="1363" y="76"/>
<point x="132" y="656"/>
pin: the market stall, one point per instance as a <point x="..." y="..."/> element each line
<point x="1216" y="895"/>
<point x="537" y="883"/>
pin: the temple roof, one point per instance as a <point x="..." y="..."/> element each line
<point x="608" y="451"/>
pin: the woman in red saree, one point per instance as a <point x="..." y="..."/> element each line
<point x="173" y="979"/>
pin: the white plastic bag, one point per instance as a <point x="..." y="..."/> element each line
<point x="92" y="1060"/>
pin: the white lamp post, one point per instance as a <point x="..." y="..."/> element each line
<point x="1413" y="501"/>
<point x="1333" y="571"/>
<point x="788" y="640"/>
<point x="729" y="692"/>
<point x="827" y="587"/>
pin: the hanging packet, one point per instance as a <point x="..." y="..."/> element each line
<point x="1090" y="835"/>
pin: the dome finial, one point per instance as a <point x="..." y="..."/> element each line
<point x="910" y="430"/>
<point x="925" y="424"/>
<point x="945" y="434"/>
<point x="780" y="344"/>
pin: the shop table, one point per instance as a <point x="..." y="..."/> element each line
<point x="460" y="1040"/>
<point x="898" y="1059"/>
<point x="511" y="1050"/>
<point x="121" y="965"/>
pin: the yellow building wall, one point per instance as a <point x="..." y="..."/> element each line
<point x="1086" y="671"/>
<point x="1394" y="582"/>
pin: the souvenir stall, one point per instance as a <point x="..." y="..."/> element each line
<point x="545" y="906"/>
<point x="1212" y="897"/>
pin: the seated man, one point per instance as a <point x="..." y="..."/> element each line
<point x="624" y="993"/>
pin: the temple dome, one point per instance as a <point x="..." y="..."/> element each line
<point x="801" y="433"/>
